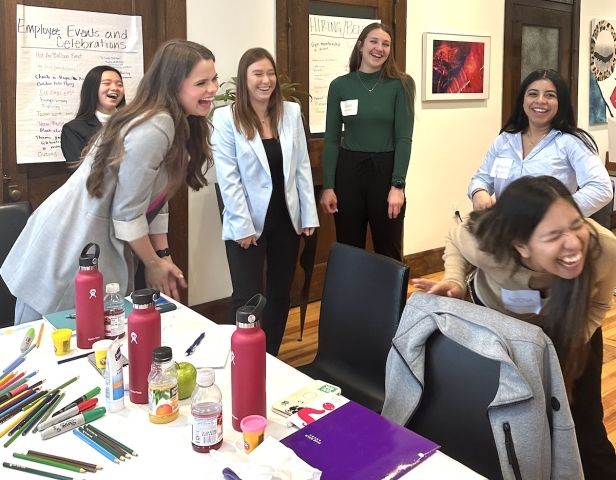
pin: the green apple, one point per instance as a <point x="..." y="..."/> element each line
<point x="187" y="379"/>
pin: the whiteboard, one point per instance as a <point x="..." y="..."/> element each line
<point x="331" y="41"/>
<point x="55" y="50"/>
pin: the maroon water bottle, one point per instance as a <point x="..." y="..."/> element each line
<point x="248" y="363"/>
<point x="89" y="297"/>
<point x="143" y="337"/>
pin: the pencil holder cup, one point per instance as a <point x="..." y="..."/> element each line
<point x="62" y="340"/>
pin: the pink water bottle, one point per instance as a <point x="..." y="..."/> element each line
<point x="248" y="363"/>
<point x="143" y="338"/>
<point x="89" y="296"/>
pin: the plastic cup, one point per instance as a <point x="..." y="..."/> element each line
<point x="61" y="340"/>
<point x="253" y="428"/>
<point x="100" y="352"/>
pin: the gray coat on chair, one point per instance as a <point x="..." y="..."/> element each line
<point x="529" y="373"/>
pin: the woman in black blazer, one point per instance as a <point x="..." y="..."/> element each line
<point x="102" y="93"/>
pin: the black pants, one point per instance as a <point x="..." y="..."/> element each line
<point x="363" y="181"/>
<point x="597" y="452"/>
<point x="276" y="255"/>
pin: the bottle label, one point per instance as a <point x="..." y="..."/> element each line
<point x="207" y="431"/>
<point x="163" y="401"/>
<point x="114" y="322"/>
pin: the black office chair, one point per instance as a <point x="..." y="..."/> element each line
<point x="458" y="387"/>
<point x="363" y="298"/>
<point x="13" y="218"/>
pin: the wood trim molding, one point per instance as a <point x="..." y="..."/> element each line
<point x="426" y="262"/>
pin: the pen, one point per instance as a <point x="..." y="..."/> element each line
<point x="76" y="357"/>
<point x="194" y="345"/>
<point x="71" y="412"/>
<point x="92" y="393"/>
<point x="70" y="315"/>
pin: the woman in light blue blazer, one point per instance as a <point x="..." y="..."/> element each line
<point x="265" y="179"/>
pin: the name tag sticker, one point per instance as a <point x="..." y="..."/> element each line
<point x="349" y="107"/>
<point x="522" y="301"/>
<point x="501" y="167"/>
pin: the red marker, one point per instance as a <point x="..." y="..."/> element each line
<point x="71" y="412"/>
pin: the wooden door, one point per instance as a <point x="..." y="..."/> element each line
<point x="161" y="20"/>
<point x="539" y="34"/>
<point x="292" y="52"/>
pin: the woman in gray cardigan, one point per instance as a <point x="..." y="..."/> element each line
<point x="118" y="197"/>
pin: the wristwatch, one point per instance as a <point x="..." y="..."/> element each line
<point x="398" y="184"/>
<point x="165" y="252"/>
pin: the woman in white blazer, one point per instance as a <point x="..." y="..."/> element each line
<point x="265" y="179"/>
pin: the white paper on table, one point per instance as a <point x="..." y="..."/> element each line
<point x="211" y="352"/>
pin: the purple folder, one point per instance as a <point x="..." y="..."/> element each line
<point x="355" y="442"/>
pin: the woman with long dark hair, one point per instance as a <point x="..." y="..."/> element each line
<point x="118" y="196"/>
<point x="539" y="260"/>
<point x="265" y="179"/>
<point x="102" y="93"/>
<point x="364" y="173"/>
<point x="541" y="138"/>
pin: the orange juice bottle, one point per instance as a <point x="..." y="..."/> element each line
<point x="163" y="387"/>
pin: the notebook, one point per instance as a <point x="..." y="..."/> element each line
<point x="355" y="442"/>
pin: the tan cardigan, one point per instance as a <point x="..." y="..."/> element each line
<point x="462" y="254"/>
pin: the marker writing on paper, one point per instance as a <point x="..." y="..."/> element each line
<point x="73" y="422"/>
<point x="71" y="412"/>
<point x="194" y="345"/>
<point x="92" y="393"/>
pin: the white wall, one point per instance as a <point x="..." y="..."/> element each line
<point x="450" y="138"/>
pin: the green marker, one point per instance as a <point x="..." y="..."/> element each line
<point x="91" y="394"/>
<point x="73" y="422"/>
<point x="27" y="341"/>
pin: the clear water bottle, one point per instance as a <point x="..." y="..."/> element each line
<point x="206" y="410"/>
<point x="115" y="318"/>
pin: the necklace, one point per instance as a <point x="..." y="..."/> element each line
<point x="370" y="90"/>
<point x="530" y="139"/>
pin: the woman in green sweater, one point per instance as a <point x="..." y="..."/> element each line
<point x="364" y="177"/>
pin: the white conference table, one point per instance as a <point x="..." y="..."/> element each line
<point x="163" y="450"/>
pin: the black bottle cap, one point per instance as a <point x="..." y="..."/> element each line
<point x="162" y="354"/>
<point x="145" y="296"/>
<point x="89" y="259"/>
<point x="250" y="313"/>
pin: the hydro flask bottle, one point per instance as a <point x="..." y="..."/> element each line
<point x="143" y="336"/>
<point x="89" y="297"/>
<point x="248" y="363"/>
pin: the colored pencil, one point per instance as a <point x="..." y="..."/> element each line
<point x="13" y="400"/>
<point x="106" y="444"/>
<point x="13" y="365"/>
<point x="4" y="379"/>
<point x="20" y="416"/>
<point x="40" y="335"/>
<point x="36" y="417"/>
<point x="67" y="383"/>
<point x="49" y="462"/>
<point x="33" y="412"/>
<point x="14" y="383"/>
<point x="96" y="446"/>
<point x="15" y="408"/>
<point x="110" y="438"/>
<point x="76" y="357"/>
<point x="90" y="467"/>
<point x="48" y="412"/>
<point x="12" y="393"/>
<point x="34" y="471"/>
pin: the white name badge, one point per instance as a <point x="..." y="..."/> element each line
<point x="522" y="301"/>
<point x="349" y="107"/>
<point x="501" y="167"/>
